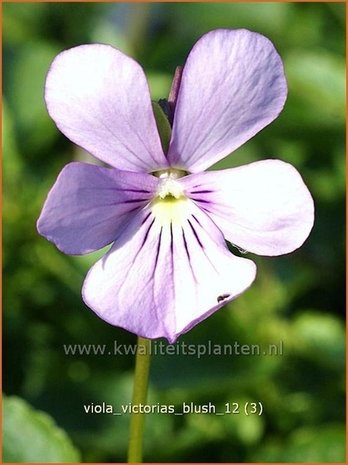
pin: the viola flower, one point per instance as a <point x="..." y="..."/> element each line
<point x="169" y="266"/>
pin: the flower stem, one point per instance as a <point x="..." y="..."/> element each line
<point x="141" y="378"/>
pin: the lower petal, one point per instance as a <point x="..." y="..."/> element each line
<point x="166" y="273"/>
<point x="263" y="207"/>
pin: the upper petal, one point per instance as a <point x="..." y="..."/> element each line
<point x="263" y="207"/>
<point x="232" y="86"/>
<point x="88" y="206"/>
<point x="99" y="99"/>
<point x="167" y="272"/>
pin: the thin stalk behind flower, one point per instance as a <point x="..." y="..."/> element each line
<point x="173" y="94"/>
<point x="140" y="388"/>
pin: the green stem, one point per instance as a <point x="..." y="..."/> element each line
<point x="141" y="378"/>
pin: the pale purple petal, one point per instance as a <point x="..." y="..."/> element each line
<point x="232" y="86"/>
<point x="263" y="207"/>
<point x="99" y="98"/>
<point x="163" y="277"/>
<point x="89" y="206"/>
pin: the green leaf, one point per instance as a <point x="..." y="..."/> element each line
<point x="25" y="96"/>
<point x="12" y="163"/>
<point x="317" y="80"/>
<point x="159" y="84"/>
<point x="163" y="126"/>
<point x="33" y="436"/>
<point x="320" y="337"/>
<point x="322" y="444"/>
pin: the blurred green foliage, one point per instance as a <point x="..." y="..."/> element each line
<point x="297" y="299"/>
<point x="39" y="440"/>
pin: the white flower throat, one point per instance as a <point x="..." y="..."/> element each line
<point x="169" y="186"/>
<point x="170" y="204"/>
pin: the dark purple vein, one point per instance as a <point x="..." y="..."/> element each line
<point x="146" y="217"/>
<point x="195" y="234"/>
<point x="188" y="256"/>
<point x="157" y="253"/>
<point x="202" y="192"/>
<point x="147" y="233"/>
<point x="133" y="201"/>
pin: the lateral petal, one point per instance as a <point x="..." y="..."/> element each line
<point x="263" y="207"/>
<point x="89" y="206"/>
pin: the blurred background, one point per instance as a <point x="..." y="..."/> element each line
<point x="297" y="299"/>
